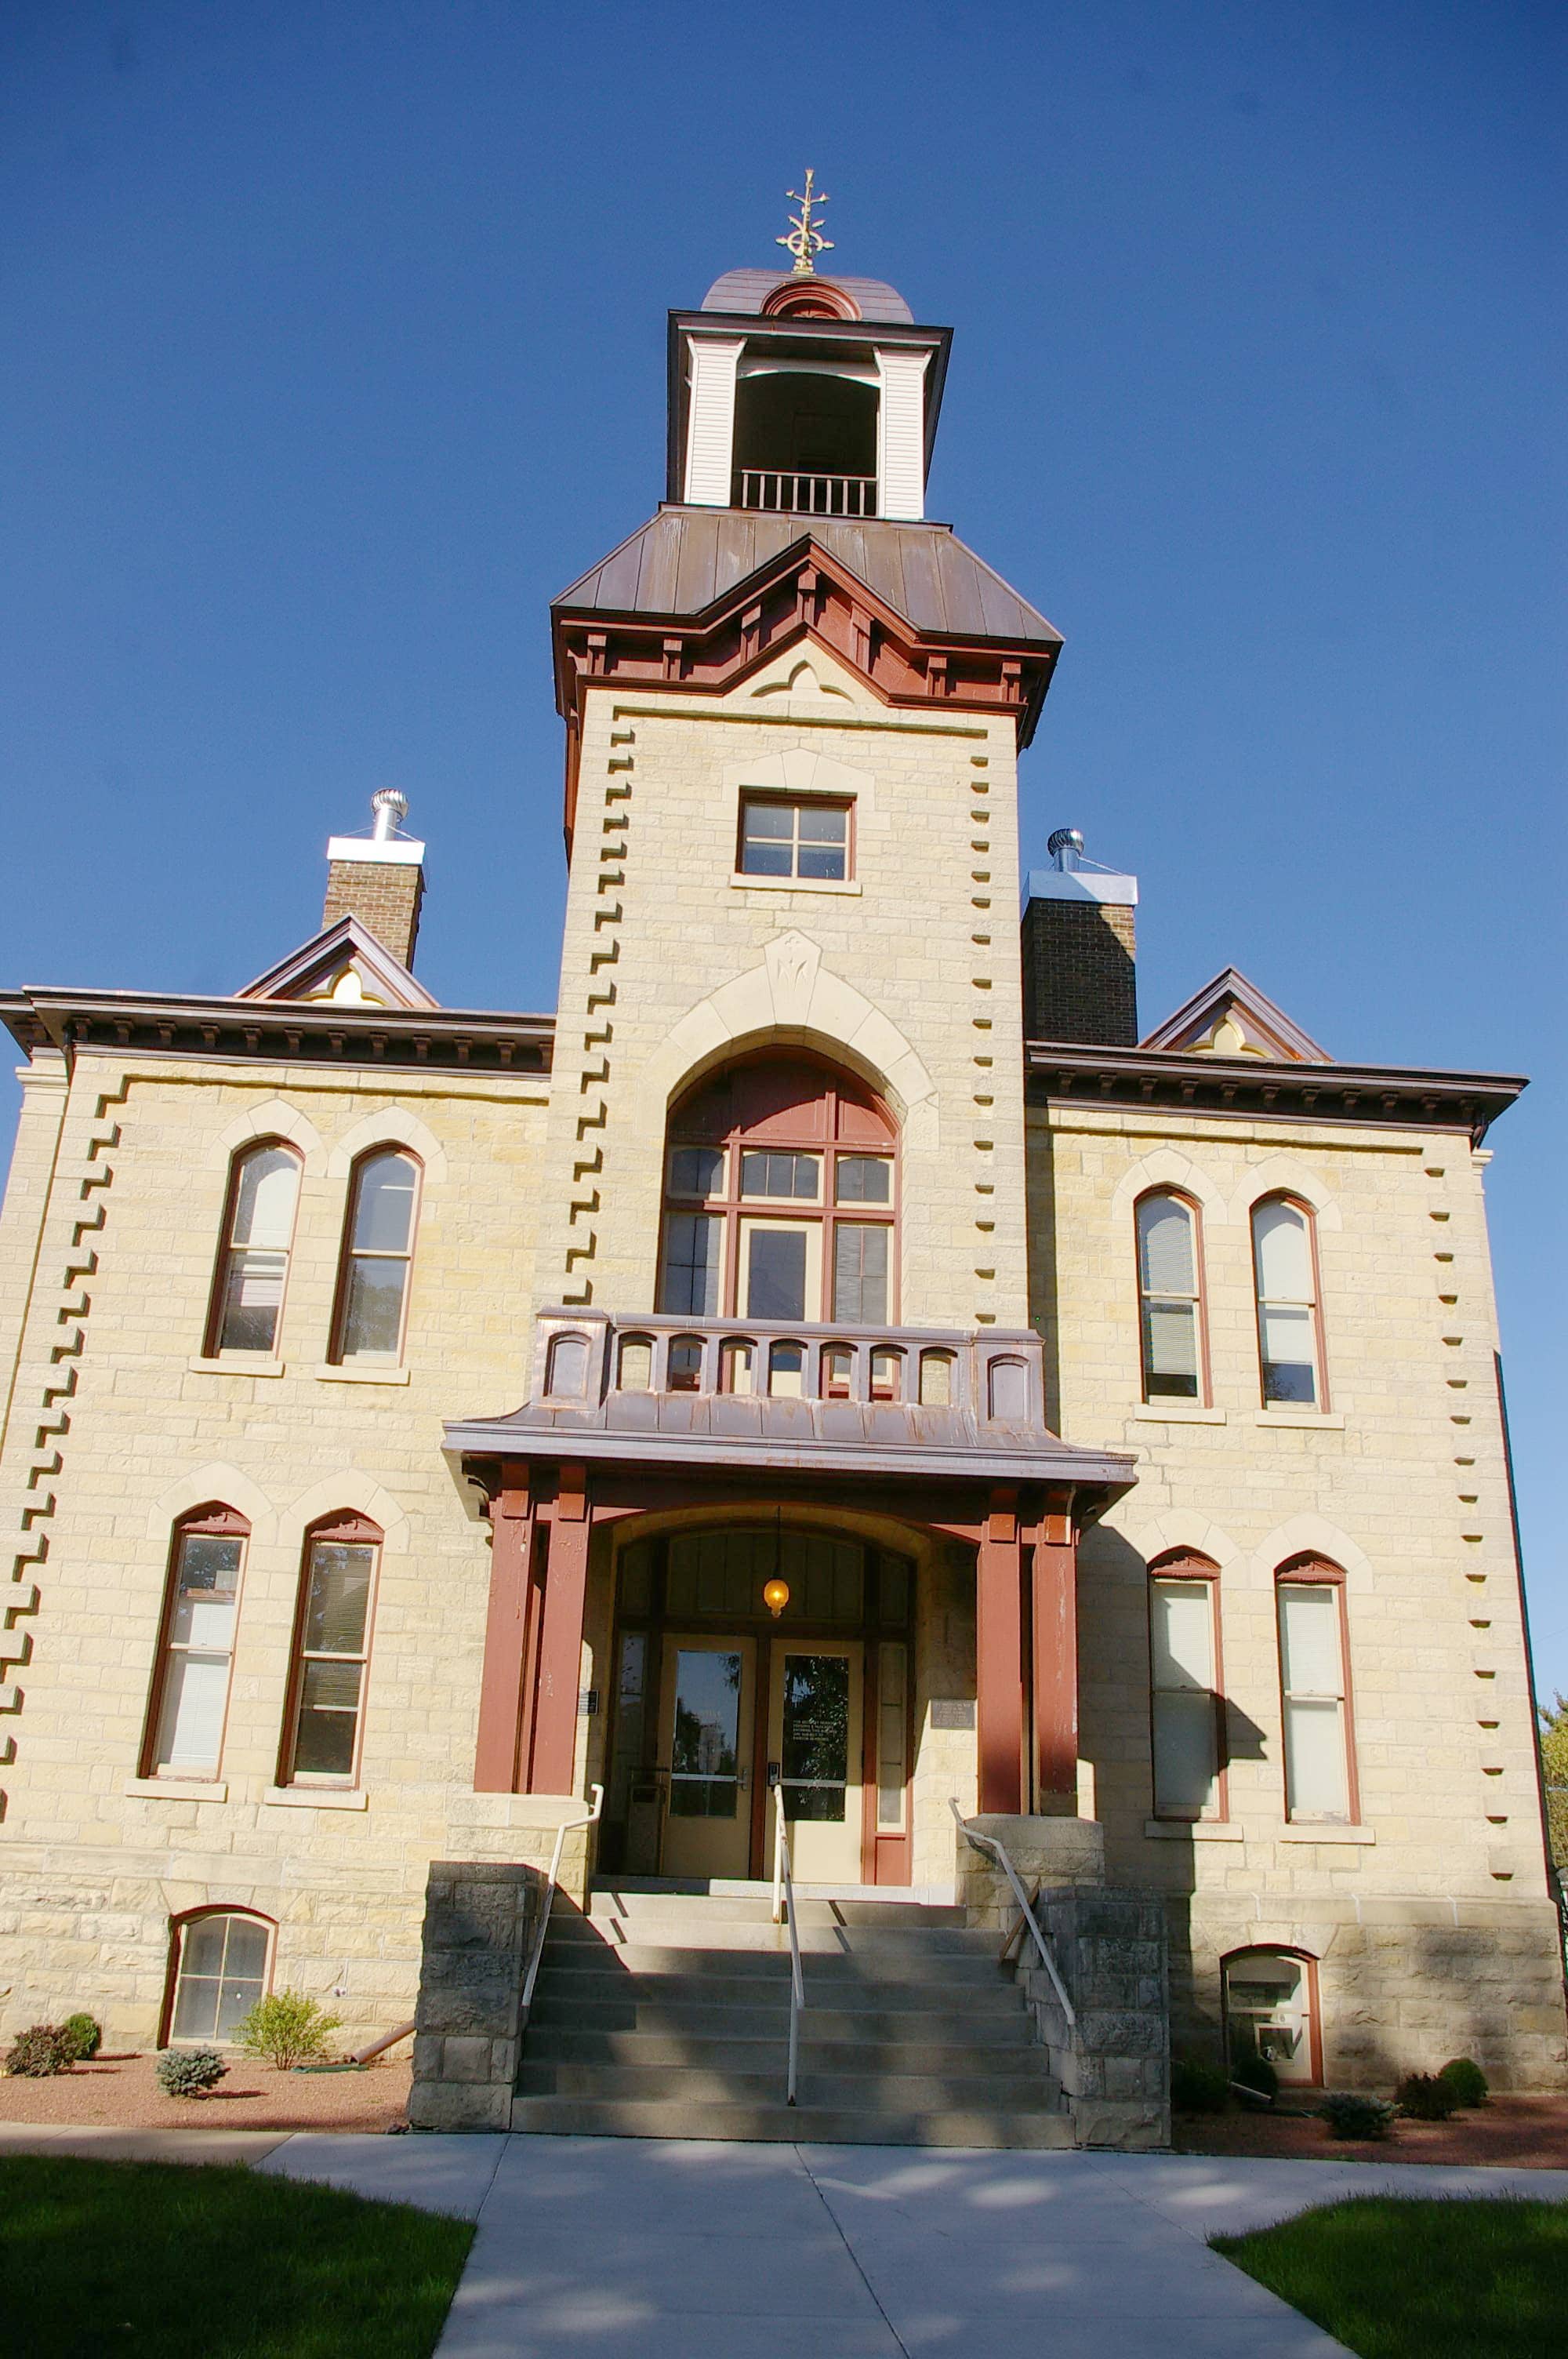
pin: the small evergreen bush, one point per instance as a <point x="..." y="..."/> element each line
<point x="1426" y="2097"/>
<point x="1465" y="2079"/>
<point x="85" y="2034"/>
<point x="1198" y="2088"/>
<point x="286" y="2029"/>
<point x="40" y="2051"/>
<point x="1256" y="2073"/>
<point x="189" y="2072"/>
<point x="1349" y="2116"/>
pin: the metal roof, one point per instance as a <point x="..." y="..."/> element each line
<point x="685" y="558"/>
<point x="748" y="290"/>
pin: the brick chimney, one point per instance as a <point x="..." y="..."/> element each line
<point x="1079" y="951"/>
<point x="379" y="878"/>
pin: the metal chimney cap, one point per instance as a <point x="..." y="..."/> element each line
<point x="391" y="809"/>
<point x="1065" y="846"/>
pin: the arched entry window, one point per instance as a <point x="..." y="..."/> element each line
<point x="780" y="1197"/>
<point x="1270" y="2010"/>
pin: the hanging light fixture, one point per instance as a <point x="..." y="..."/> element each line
<point x="775" y="1589"/>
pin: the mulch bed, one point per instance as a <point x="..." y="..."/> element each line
<point x="120" y="2092"/>
<point x="1525" y="2133"/>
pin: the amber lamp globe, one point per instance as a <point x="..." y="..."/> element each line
<point x="775" y="1596"/>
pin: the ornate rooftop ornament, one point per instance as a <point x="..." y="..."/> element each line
<point x="803" y="241"/>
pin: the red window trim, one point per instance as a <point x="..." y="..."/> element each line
<point x="213" y="1521"/>
<point x="1319" y="1355"/>
<point x="1314" y="2010"/>
<point x="1189" y="1564"/>
<point x="345" y="1252"/>
<point x="750" y="795"/>
<point x="1310" y="1571"/>
<point x="347" y="1529"/>
<point x="1200" y="1299"/>
<point x="213" y="1332"/>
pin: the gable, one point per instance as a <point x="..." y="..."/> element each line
<point x="1231" y="1017"/>
<point x="345" y="964"/>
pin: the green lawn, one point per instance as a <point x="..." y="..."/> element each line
<point x="170" y="2261"/>
<point x="1401" y="2277"/>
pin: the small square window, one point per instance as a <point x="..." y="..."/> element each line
<point x="805" y="838"/>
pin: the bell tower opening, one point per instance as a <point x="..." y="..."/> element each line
<point x="806" y="439"/>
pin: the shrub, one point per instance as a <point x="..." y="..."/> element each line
<point x="1426" y="2098"/>
<point x="43" y="2049"/>
<point x="1465" y="2079"/>
<point x="1198" y="2088"/>
<point x="286" y="2029"/>
<point x="189" y="2072"/>
<point x="85" y="2034"/>
<point x="1255" y="2072"/>
<point x="1347" y="2116"/>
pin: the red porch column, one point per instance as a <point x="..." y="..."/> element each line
<point x="998" y="1602"/>
<point x="501" y="1695"/>
<point x="560" y="1639"/>
<point x="1056" y="1634"/>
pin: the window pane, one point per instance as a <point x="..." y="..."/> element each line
<point x="372" y="1310"/>
<point x="691" y="1263"/>
<point x="1309" y="1638"/>
<point x="697" y="1171"/>
<point x="202" y="1947"/>
<point x="206" y="1584"/>
<point x="1284" y="1263"/>
<point x="766" y="840"/>
<point x="253" y="1297"/>
<point x="816" y="1735"/>
<point x="769" y="821"/>
<point x="340" y="1597"/>
<point x="1170" y="1351"/>
<point x="827" y="859"/>
<point x="1166" y="1246"/>
<point x="263" y="1209"/>
<point x="329" y="1710"/>
<point x="235" y="2000"/>
<point x="704" y="1747"/>
<point x="824" y="824"/>
<point x="1315" y="1760"/>
<point x="1181" y="1630"/>
<point x="1290" y="1372"/>
<point x="191" y="1724"/>
<point x="383" y="1208"/>
<point x="766" y="1172"/>
<point x="195" y="2008"/>
<point x="860" y="1273"/>
<point x="246" y="1952"/>
<point x="775" y="1274"/>
<point x="1185" y="1765"/>
<point x="892" y="1737"/>
<point x="864" y="1179"/>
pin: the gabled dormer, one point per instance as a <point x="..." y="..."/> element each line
<point x="809" y="395"/>
<point x="1231" y="1017"/>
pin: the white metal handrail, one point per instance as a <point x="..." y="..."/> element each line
<point x="784" y="1909"/>
<point x="987" y="1842"/>
<point x="567" y="1827"/>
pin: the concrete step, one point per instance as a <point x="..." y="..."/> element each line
<point x="872" y="2092"/>
<point x="902" y="1968"/>
<point x="824" y="1938"/>
<point x="619" y="1905"/>
<point x="868" y="1901"/>
<point x="682" y="2012"/>
<point x="842" y="1996"/>
<point x="561" y="2043"/>
<point x="777" y="2123"/>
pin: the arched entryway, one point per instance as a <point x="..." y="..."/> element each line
<point x="717" y="1698"/>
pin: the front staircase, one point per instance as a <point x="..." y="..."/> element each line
<point x="664" y="2012"/>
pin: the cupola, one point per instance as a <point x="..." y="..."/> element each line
<point x="803" y="394"/>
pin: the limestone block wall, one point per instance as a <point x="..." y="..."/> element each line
<point x="1401" y="1481"/>
<point x="909" y="972"/>
<point x="118" y="1426"/>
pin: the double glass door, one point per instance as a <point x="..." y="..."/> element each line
<point x="707" y="1730"/>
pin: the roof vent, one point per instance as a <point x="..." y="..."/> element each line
<point x="1065" y="846"/>
<point x="391" y="809"/>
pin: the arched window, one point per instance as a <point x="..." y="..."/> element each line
<point x="1187" y="1706"/>
<point x="189" y="1696"/>
<point x="1315" y="1688"/>
<point x="377" y="1255"/>
<point x="252" y="1266"/>
<point x="1270" y="2010"/>
<point x="1290" y="1331"/>
<point x="1170" y="1297"/>
<point x="220" y="1961"/>
<point x="781" y="1198"/>
<point x="332" y="1650"/>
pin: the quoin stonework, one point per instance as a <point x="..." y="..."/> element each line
<point x="840" y="1365"/>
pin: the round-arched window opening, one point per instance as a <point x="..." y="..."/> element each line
<point x="220" y="1962"/>
<point x="1270" y="2012"/>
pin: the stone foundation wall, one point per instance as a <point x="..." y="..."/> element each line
<point x="480" y="1918"/>
<point x="1114" y="2062"/>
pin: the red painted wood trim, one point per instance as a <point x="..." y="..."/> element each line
<point x="501" y="1695"/>
<point x="553" y="1767"/>
<point x="1000" y="1660"/>
<point x="1055" y="1619"/>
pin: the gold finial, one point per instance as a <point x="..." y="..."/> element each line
<point x="803" y="241"/>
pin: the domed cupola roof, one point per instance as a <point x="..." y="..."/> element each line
<point x="765" y="294"/>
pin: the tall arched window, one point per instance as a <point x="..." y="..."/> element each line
<point x="258" y="1235"/>
<point x="780" y="1197"/>
<point x="1314" y="1691"/>
<point x="1170" y="1297"/>
<point x="1290" y="1330"/>
<point x="1187" y="1706"/>
<point x="377" y="1256"/>
<point x="324" y="1727"/>
<point x="189" y="1696"/>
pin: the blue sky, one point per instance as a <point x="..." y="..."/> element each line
<point x="335" y="347"/>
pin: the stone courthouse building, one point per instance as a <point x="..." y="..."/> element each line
<point x="836" y="1350"/>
